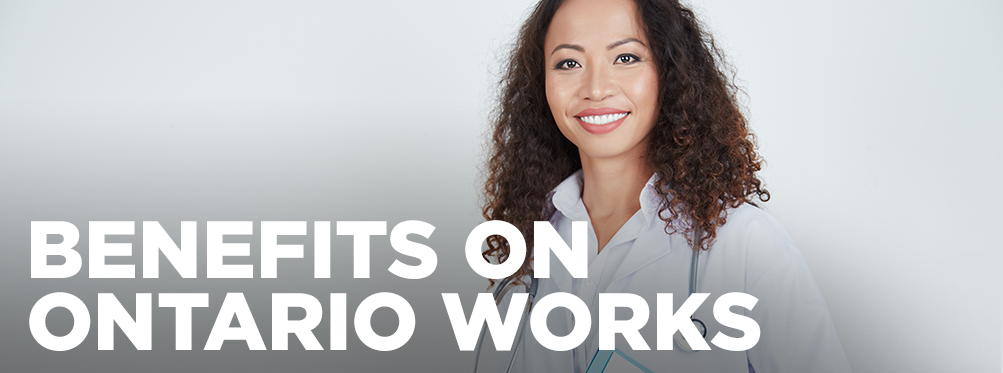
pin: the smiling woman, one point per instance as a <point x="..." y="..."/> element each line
<point x="617" y="113"/>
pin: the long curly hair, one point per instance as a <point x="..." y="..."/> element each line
<point x="700" y="146"/>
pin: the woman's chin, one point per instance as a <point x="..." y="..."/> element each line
<point x="608" y="150"/>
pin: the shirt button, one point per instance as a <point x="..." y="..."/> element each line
<point x="590" y="283"/>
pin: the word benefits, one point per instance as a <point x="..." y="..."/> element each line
<point x="184" y="257"/>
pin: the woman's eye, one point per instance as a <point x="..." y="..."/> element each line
<point x="567" y="65"/>
<point x="626" y="59"/>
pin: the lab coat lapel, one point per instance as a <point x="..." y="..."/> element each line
<point x="648" y="247"/>
<point x="560" y="275"/>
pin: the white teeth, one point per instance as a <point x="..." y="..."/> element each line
<point x="603" y="119"/>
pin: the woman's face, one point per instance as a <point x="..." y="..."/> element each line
<point x="602" y="85"/>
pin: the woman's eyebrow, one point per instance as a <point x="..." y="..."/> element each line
<point x="624" y="41"/>
<point x="568" y="46"/>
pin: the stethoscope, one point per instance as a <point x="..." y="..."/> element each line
<point x="506" y="285"/>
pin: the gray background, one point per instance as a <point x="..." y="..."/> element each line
<point x="876" y="118"/>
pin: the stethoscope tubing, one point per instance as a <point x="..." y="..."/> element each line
<point x="504" y="286"/>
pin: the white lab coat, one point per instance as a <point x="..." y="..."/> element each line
<point x="752" y="254"/>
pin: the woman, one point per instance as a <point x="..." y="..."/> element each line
<point x="616" y="112"/>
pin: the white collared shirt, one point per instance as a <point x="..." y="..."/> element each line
<point x="567" y="200"/>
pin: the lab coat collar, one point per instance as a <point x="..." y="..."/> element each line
<point x="567" y="198"/>
<point x="651" y="203"/>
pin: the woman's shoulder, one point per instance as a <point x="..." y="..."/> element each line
<point x="752" y="224"/>
<point x="757" y="235"/>
<point x="790" y="308"/>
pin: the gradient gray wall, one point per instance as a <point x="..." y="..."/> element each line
<point x="876" y="120"/>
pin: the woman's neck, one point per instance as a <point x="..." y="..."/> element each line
<point x="611" y="191"/>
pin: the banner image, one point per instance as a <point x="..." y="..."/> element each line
<point x="518" y="186"/>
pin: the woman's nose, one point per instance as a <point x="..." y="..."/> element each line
<point x="599" y="83"/>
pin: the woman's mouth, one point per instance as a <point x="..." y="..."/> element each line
<point x="602" y="120"/>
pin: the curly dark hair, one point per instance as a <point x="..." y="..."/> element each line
<point x="700" y="146"/>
